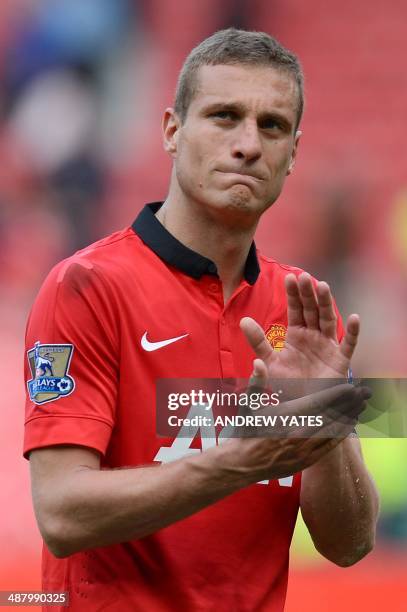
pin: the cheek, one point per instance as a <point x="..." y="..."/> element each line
<point x="190" y="166"/>
<point x="195" y="159"/>
<point x="279" y="159"/>
<point x="190" y="154"/>
<point x="278" y="164"/>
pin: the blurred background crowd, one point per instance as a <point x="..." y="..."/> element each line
<point x="83" y="84"/>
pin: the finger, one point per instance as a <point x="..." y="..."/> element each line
<point x="295" y="309"/>
<point x="336" y="426"/>
<point x="257" y="384"/>
<point x="256" y="338"/>
<point x="340" y="420"/>
<point x="338" y="398"/>
<point x="347" y="404"/>
<point x="309" y="301"/>
<point x="350" y="340"/>
<point x="342" y="424"/>
<point x="327" y="314"/>
<point x="258" y="379"/>
<point x="259" y="375"/>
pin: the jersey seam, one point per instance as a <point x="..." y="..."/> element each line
<point x="115" y="342"/>
<point x="95" y="246"/>
<point x="102" y="279"/>
<point x="269" y="260"/>
<point x="75" y="416"/>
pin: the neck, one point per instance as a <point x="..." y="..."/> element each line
<point x="212" y="234"/>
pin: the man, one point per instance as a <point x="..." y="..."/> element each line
<point x="194" y="527"/>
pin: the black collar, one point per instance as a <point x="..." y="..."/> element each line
<point x="176" y="254"/>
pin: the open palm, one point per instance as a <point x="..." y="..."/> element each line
<point x="311" y="348"/>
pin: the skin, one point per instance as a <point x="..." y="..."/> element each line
<point x="231" y="156"/>
<point x="237" y="144"/>
<point x="339" y="501"/>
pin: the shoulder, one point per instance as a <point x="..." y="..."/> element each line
<point x="102" y="259"/>
<point x="81" y="290"/>
<point x="274" y="269"/>
<point x="274" y="273"/>
<point x="104" y="256"/>
<point x="93" y="273"/>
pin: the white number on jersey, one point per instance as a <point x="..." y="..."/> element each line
<point x="181" y="447"/>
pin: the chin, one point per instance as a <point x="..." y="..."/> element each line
<point x="233" y="205"/>
<point x="241" y="202"/>
<point x="237" y="212"/>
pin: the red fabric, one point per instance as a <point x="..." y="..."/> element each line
<point x="230" y="556"/>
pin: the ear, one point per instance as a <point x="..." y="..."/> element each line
<point x="291" y="165"/>
<point x="171" y="125"/>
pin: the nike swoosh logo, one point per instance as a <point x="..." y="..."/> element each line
<point x="154" y="346"/>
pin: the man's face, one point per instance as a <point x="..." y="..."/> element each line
<point x="237" y="143"/>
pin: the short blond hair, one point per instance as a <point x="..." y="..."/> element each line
<point x="234" y="46"/>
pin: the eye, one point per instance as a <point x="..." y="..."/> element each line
<point x="226" y="115"/>
<point x="270" y="124"/>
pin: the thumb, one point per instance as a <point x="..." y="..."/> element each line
<point x="257" y="383"/>
<point x="256" y="338"/>
<point x="258" y="379"/>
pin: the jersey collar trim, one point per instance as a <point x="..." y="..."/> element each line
<point x="176" y="254"/>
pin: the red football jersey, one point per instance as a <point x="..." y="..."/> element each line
<point x="108" y="322"/>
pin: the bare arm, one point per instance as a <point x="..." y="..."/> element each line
<point x="339" y="501"/>
<point x="80" y="506"/>
<point x="340" y="504"/>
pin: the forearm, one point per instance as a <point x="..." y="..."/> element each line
<point x="93" y="507"/>
<point x="340" y="504"/>
<point x="80" y="506"/>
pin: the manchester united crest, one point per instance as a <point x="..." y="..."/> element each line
<point x="49" y="364"/>
<point x="276" y="336"/>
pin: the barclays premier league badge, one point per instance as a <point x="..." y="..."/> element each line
<point x="49" y="365"/>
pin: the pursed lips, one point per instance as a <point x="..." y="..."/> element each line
<point x="249" y="175"/>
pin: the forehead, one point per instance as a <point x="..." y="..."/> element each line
<point x="258" y="88"/>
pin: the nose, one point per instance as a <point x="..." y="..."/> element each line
<point x="247" y="144"/>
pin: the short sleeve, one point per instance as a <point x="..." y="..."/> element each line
<point x="71" y="363"/>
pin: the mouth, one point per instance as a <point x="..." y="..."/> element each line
<point x="242" y="177"/>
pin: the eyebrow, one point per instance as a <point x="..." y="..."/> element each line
<point x="240" y="109"/>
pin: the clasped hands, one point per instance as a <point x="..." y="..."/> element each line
<point x="311" y="351"/>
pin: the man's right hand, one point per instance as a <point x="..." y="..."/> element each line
<point x="80" y="506"/>
<point x="281" y="451"/>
